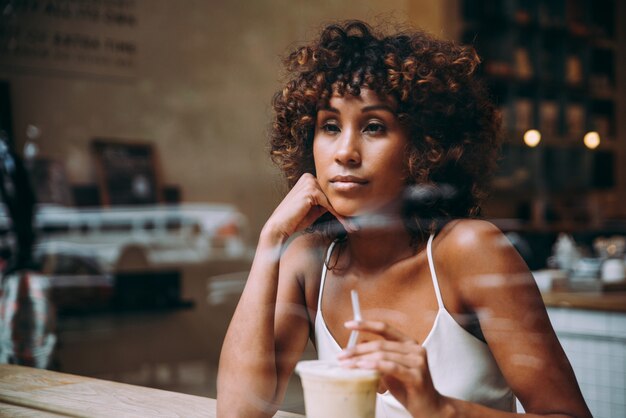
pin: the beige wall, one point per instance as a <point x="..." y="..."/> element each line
<point x="205" y="72"/>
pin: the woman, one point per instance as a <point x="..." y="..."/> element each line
<point x="368" y="130"/>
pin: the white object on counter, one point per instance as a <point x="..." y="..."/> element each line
<point x="587" y="268"/>
<point x="613" y="270"/>
<point x="565" y="252"/>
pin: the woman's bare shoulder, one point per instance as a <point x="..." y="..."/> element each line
<point x="470" y="248"/>
<point x="474" y="237"/>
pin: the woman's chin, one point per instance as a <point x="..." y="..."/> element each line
<point x="348" y="211"/>
<point x="355" y="210"/>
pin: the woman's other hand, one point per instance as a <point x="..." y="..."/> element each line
<point x="403" y="366"/>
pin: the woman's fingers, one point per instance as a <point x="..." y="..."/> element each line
<point x="323" y="201"/>
<point x="304" y="203"/>
<point x="400" y="347"/>
<point x="391" y="354"/>
<point x="312" y="209"/>
<point x="407" y="357"/>
<point x="404" y="361"/>
<point x="318" y="203"/>
<point x="408" y="353"/>
<point x="389" y="367"/>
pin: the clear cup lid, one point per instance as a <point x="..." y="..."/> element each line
<point x="331" y="369"/>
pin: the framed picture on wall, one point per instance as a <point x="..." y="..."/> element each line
<point x="128" y="172"/>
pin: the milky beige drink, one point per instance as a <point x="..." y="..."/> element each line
<point x="331" y="391"/>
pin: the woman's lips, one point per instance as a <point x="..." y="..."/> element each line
<point x="347" y="183"/>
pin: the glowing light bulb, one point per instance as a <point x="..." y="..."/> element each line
<point x="592" y="140"/>
<point x="532" y="138"/>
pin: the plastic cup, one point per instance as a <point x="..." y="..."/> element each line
<point x="332" y="391"/>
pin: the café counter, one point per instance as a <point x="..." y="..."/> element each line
<point x="595" y="301"/>
<point x="29" y="392"/>
<point x="591" y="327"/>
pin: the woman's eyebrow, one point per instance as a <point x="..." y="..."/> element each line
<point x="378" y="107"/>
<point x="363" y="110"/>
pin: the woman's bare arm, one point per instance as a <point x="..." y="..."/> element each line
<point x="268" y="332"/>
<point x="269" y="329"/>
<point x="494" y="282"/>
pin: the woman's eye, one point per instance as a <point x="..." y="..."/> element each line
<point x="375" y="127"/>
<point x="330" y="128"/>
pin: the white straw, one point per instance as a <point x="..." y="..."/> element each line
<point x="356" y="312"/>
<point x="356" y="308"/>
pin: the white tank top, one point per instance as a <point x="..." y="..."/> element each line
<point x="461" y="365"/>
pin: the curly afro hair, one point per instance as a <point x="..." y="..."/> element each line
<point x="452" y="125"/>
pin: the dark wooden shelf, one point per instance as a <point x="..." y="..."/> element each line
<point x="553" y="66"/>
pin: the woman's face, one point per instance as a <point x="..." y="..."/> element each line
<point x="359" y="150"/>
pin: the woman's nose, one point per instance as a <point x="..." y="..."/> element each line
<point x="348" y="151"/>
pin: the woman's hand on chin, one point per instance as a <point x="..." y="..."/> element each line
<point x="403" y="366"/>
<point x="304" y="203"/>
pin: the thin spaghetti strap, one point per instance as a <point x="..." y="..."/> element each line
<point x="324" y="271"/>
<point x="433" y="275"/>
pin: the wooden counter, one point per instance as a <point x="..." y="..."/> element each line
<point x="28" y="392"/>
<point x="598" y="301"/>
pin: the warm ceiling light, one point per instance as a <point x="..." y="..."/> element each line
<point x="592" y="140"/>
<point x="532" y="138"/>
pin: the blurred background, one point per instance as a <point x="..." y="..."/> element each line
<point x="142" y="127"/>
